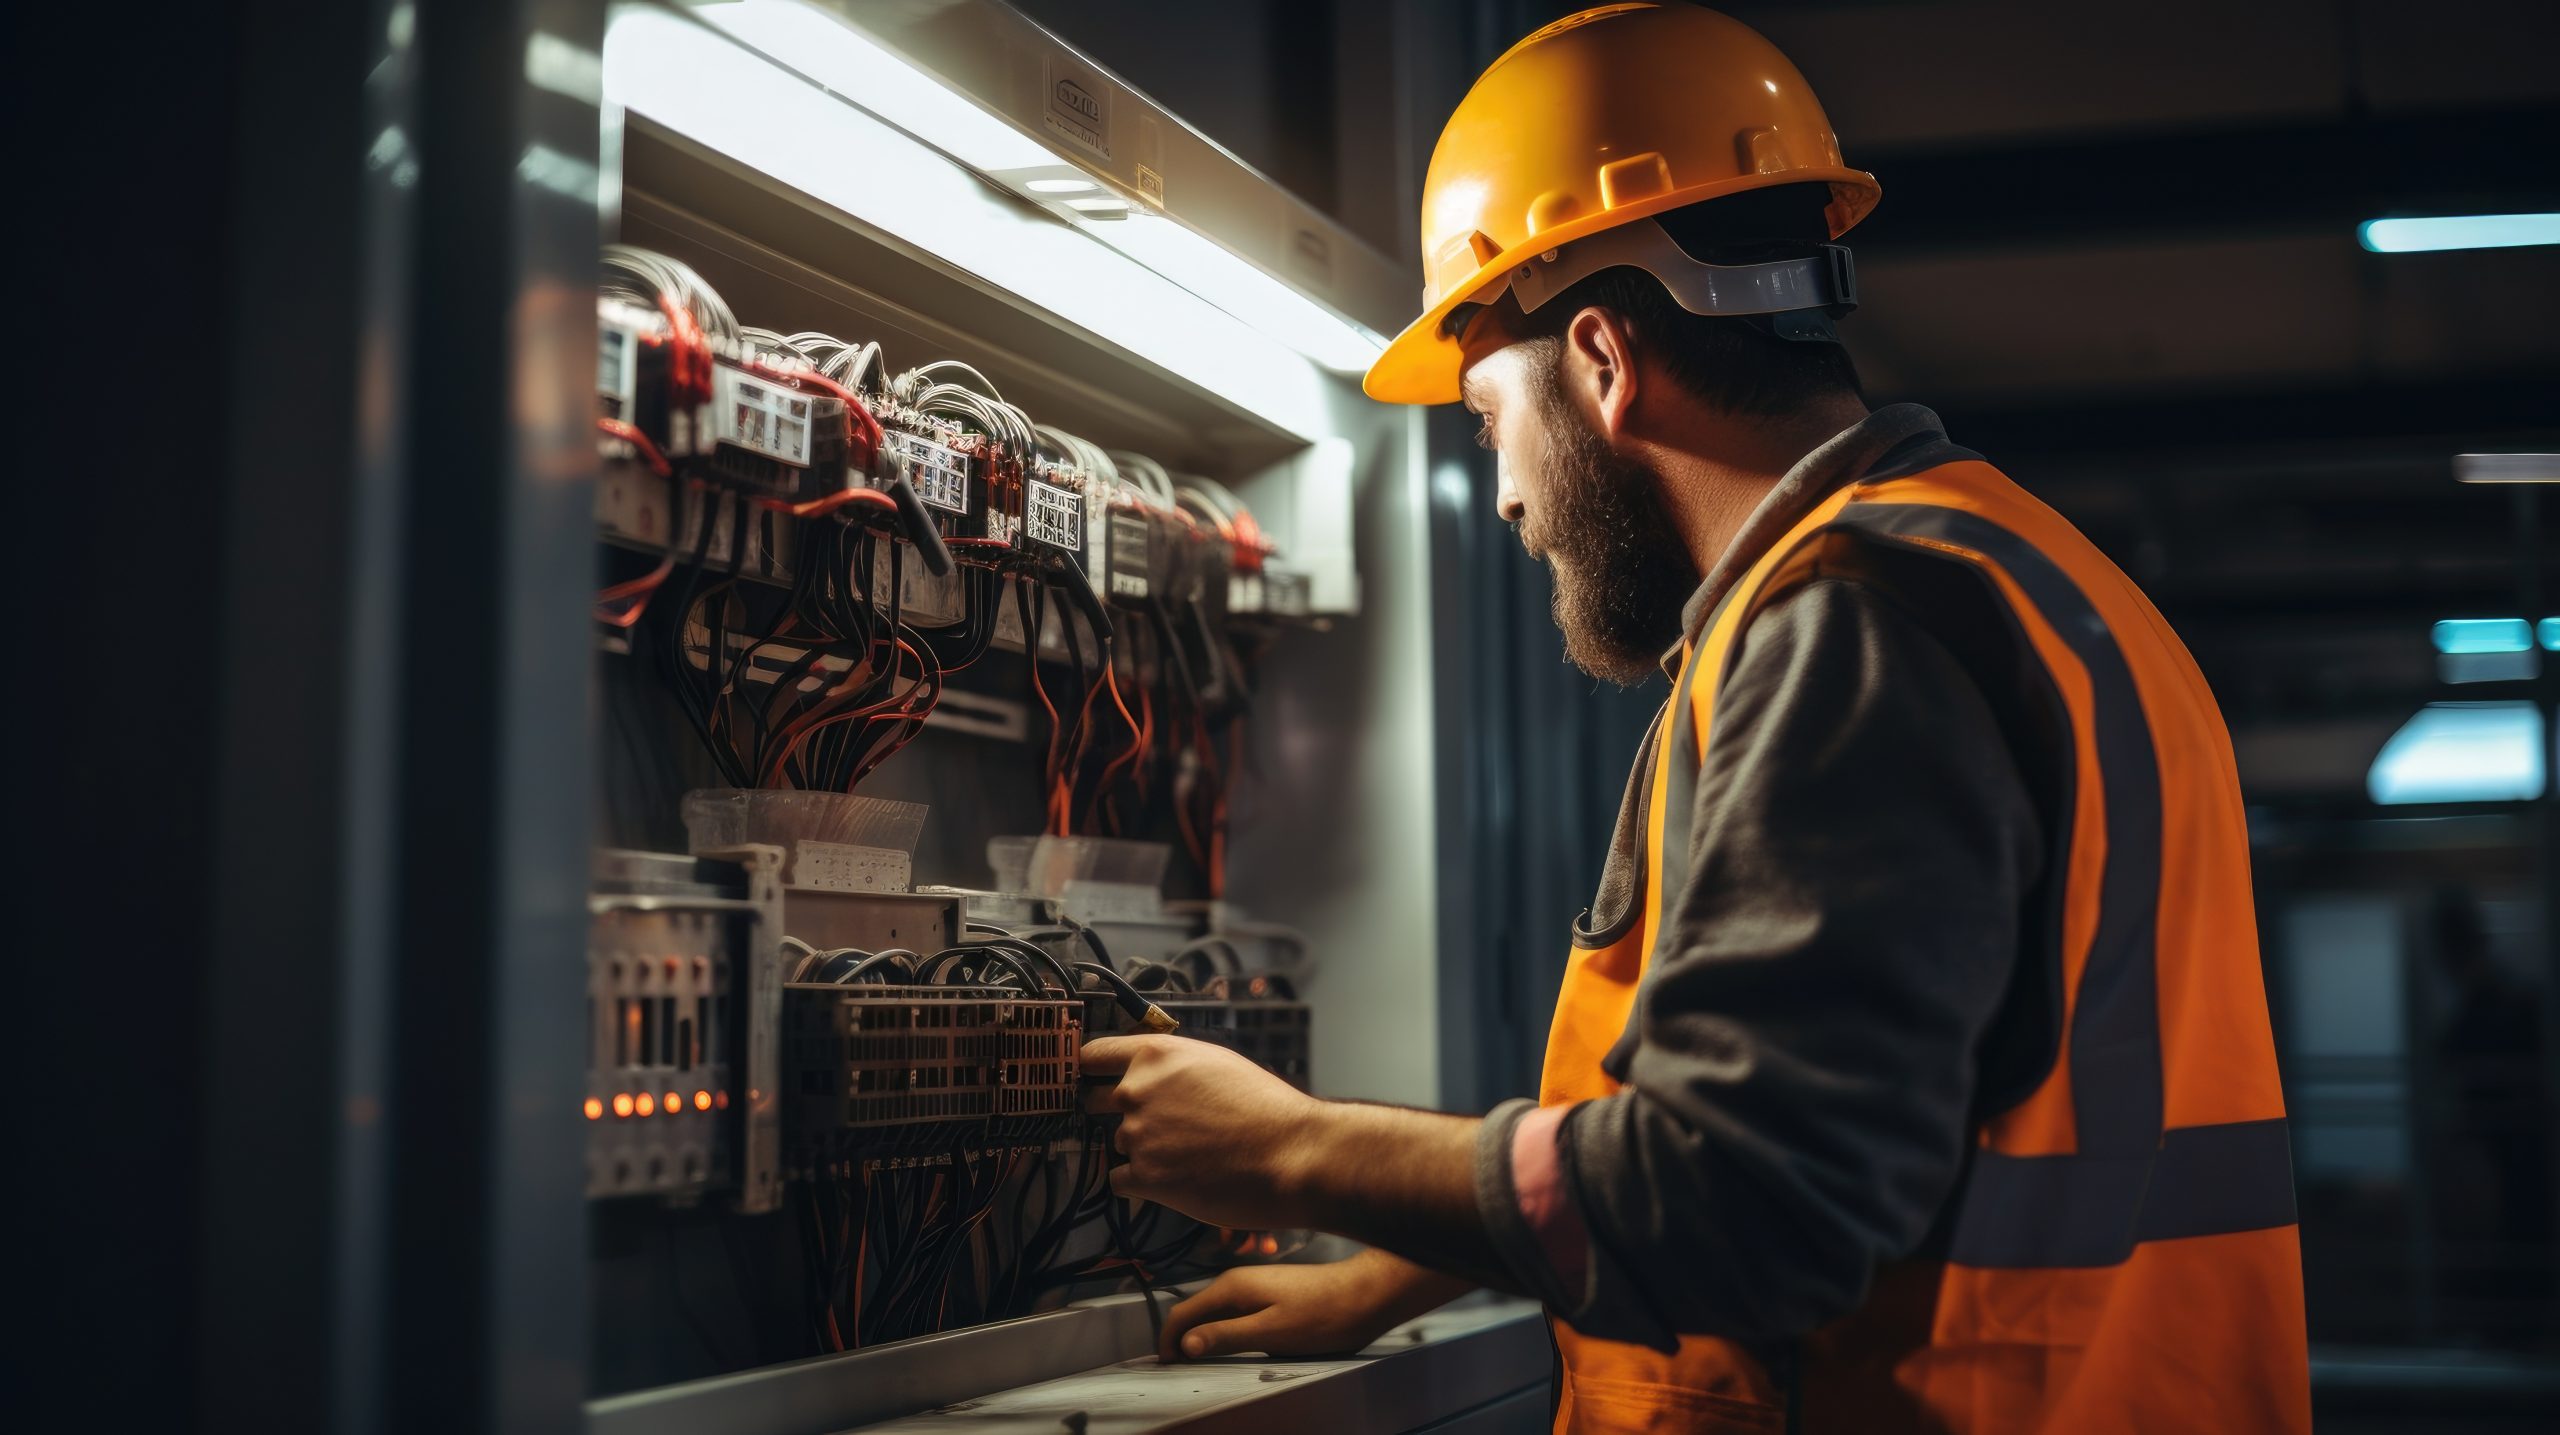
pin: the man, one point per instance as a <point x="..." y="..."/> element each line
<point x="1912" y="1067"/>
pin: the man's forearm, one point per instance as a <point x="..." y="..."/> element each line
<point x="1398" y="1179"/>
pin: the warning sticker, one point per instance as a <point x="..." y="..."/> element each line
<point x="937" y="472"/>
<point x="1054" y="516"/>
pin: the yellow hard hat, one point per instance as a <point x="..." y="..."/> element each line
<point x="1603" y="118"/>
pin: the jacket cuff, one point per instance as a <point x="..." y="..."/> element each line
<point x="1519" y="1222"/>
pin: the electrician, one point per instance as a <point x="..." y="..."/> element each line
<point x="1912" y="1067"/>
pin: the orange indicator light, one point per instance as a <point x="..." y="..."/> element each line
<point x="720" y="1099"/>
<point x="675" y="1103"/>
<point x="702" y="1101"/>
<point x="622" y="1103"/>
<point x="595" y="1109"/>
<point x="648" y="1104"/>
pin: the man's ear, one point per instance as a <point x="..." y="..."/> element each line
<point x="1599" y="363"/>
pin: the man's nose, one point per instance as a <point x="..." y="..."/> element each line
<point x="1506" y="495"/>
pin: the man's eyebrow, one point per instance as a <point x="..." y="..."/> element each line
<point x="1471" y="391"/>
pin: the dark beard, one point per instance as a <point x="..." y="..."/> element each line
<point x="1621" y="573"/>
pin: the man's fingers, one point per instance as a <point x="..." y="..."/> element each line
<point x="1111" y="1055"/>
<point x="1226" y="1337"/>
<point x="1219" y="1300"/>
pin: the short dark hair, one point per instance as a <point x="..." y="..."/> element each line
<point x="1732" y="364"/>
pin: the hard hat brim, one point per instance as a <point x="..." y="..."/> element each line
<point x="1421" y="366"/>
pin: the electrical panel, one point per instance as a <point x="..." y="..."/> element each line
<point x="827" y="573"/>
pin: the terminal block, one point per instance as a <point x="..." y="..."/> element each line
<point x="878" y="1072"/>
<point x="760" y="433"/>
<point x="1272" y="1031"/>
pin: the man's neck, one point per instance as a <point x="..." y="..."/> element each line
<point x="1719" y="468"/>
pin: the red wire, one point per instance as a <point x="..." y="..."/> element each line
<point x="833" y="501"/>
<point x="642" y="587"/>
<point x="690" y="368"/>
<point x="1137" y="737"/>
<point x="802" y="728"/>
<point x="862" y="431"/>
<point x="630" y="433"/>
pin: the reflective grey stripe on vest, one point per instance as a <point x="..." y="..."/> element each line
<point x="2115" y="1020"/>
<point x="2037" y="1212"/>
<point x="2129" y="1180"/>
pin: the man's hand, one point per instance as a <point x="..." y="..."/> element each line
<point x="1305" y="1310"/>
<point x="1205" y="1131"/>
<point x="1221" y="1140"/>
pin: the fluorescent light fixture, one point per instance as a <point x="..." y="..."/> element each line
<point x="1223" y="278"/>
<point x="2506" y="468"/>
<point x="2483" y="635"/>
<point x="855" y="67"/>
<point x="805" y="131"/>
<point x="2462" y="752"/>
<point x="2458" y="231"/>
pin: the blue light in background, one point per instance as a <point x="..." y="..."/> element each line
<point x="2483" y="635"/>
<point x="2551" y="634"/>
<point x="2458" y="231"/>
<point x="2462" y="752"/>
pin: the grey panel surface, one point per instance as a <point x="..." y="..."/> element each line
<point x="1460" y="1363"/>
<point x="831" y="1392"/>
<point x="1450" y="1363"/>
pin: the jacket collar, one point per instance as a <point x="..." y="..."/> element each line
<point x="1843" y="458"/>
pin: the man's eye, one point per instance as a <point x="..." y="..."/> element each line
<point x="1484" y="434"/>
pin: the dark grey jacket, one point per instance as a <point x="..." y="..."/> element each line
<point x="1865" y="862"/>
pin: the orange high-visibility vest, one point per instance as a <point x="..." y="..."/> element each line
<point x="2123" y="1255"/>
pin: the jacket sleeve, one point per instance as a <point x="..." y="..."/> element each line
<point x="1797" y="1101"/>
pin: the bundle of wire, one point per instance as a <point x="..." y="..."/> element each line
<point x="899" y="1248"/>
<point x="817" y="687"/>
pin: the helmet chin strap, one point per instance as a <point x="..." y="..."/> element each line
<point x="1798" y="297"/>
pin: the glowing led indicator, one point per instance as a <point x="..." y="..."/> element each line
<point x="675" y="1103"/>
<point x="595" y="1109"/>
<point x="647" y="1105"/>
<point x="702" y="1101"/>
<point x="622" y="1103"/>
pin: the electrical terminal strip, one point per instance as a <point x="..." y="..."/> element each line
<point x="802" y="421"/>
<point x="883" y="1071"/>
<point x="1273" y="1032"/>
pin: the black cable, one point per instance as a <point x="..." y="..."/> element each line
<point x="1149" y="976"/>
<point x="1092" y="942"/>
<point x="1142" y="1011"/>
<point x="670" y="630"/>
<point x="942" y="961"/>
<point x="1030" y="952"/>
